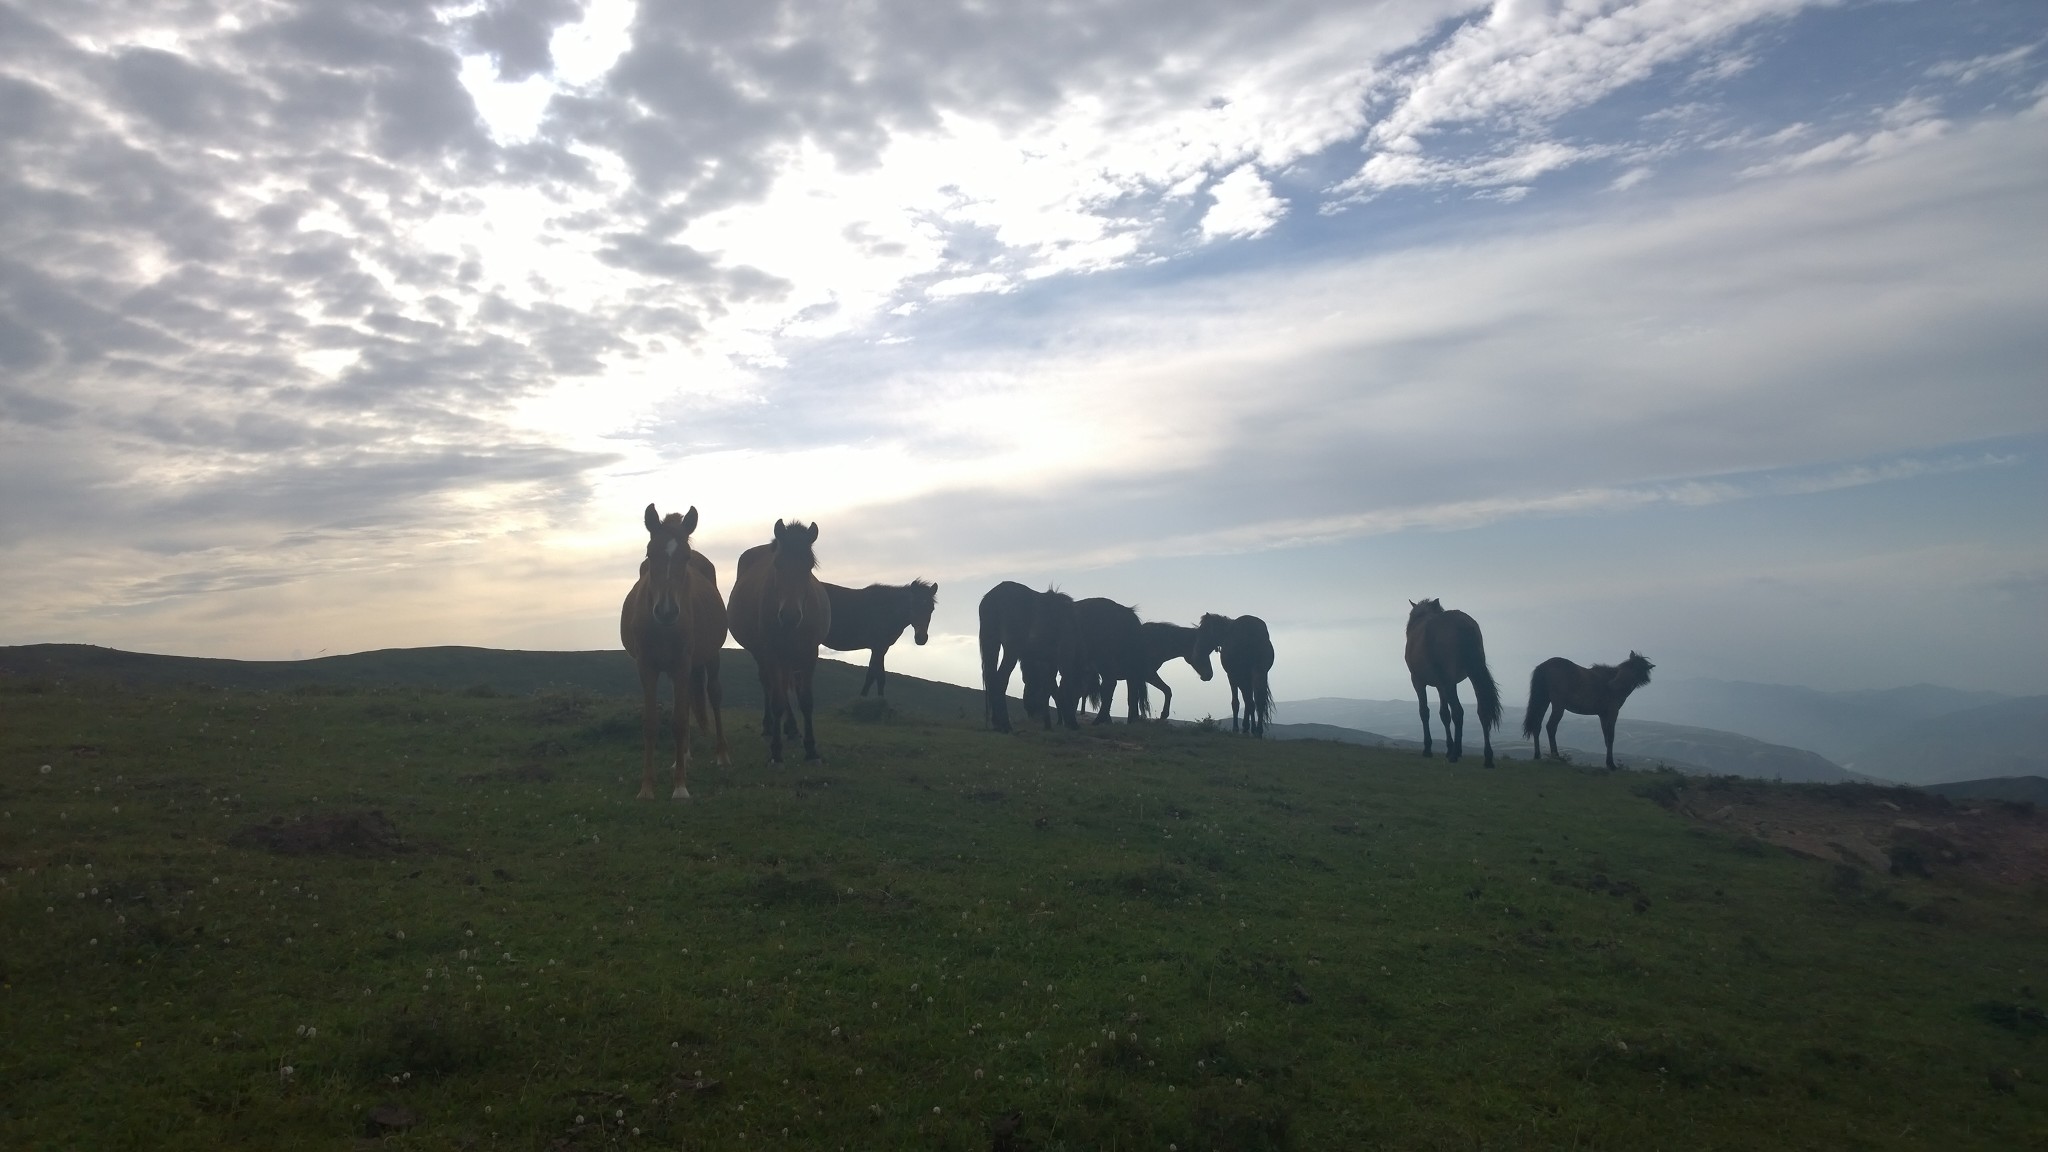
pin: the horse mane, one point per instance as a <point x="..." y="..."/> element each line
<point x="1417" y="609"/>
<point x="924" y="589"/>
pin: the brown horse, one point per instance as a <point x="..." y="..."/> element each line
<point x="781" y="613"/>
<point x="1444" y="648"/>
<point x="1164" y="642"/>
<point x="1247" y="648"/>
<point x="1562" y="686"/>
<point x="1019" y="625"/>
<point x="1110" y="647"/>
<point x="874" y="618"/>
<point x="672" y="621"/>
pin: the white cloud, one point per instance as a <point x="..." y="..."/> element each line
<point x="1244" y="205"/>
<point x="1912" y="121"/>
<point x="1977" y="67"/>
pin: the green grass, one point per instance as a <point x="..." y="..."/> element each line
<point x="1124" y="938"/>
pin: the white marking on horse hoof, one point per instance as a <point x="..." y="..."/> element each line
<point x="646" y="793"/>
<point x="681" y="793"/>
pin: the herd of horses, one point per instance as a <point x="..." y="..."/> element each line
<point x="674" y="623"/>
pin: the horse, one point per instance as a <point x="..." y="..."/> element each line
<point x="673" y="621"/>
<point x="1444" y="648"/>
<point x="1247" y="649"/>
<point x="1562" y="686"/>
<point x="874" y="617"/>
<point x="1110" y="646"/>
<point x="1164" y="642"/>
<point x="1019" y="625"/>
<point x="780" y="613"/>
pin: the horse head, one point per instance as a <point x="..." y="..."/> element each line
<point x="1638" y="667"/>
<point x="794" y="562"/>
<point x="1209" y="634"/>
<point x="1420" y="610"/>
<point x="923" y="599"/>
<point x="667" y="567"/>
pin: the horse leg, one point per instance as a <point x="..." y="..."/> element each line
<point x="1556" y="718"/>
<point x="680" y="682"/>
<point x="1607" y="733"/>
<point x="775" y="688"/>
<point x="803" y="678"/>
<point x="1233" y="705"/>
<point x="1485" y="737"/>
<point x="995" y="683"/>
<point x="997" y="692"/>
<point x="788" y="719"/>
<point x="650" y="727"/>
<point x="877" y="676"/>
<point x="1108" y="695"/>
<point x="1422" y="706"/>
<point x="714" y="698"/>
<point x="1454" y="721"/>
<point x="1166" y="697"/>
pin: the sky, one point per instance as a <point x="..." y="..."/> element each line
<point x="1715" y="329"/>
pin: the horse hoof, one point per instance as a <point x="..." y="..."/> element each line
<point x="681" y="793"/>
<point x="646" y="793"/>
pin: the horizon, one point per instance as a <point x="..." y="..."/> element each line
<point x="1710" y="332"/>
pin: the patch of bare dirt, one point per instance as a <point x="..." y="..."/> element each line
<point x="1903" y="831"/>
<point x="329" y="834"/>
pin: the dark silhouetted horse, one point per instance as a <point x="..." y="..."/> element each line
<point x="874" y="617"/>
<point x="673" y="621"/>
<point x="1562" y="686"/>
<point x="1164" y="642"/>
<point x="1247" y="650"/>
<point x="1109" y="647"/>
<point x="1444" y="648"/>
<point x="1036" y="629"/>
<point x="780" y="613"/>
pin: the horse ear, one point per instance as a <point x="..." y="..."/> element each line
<point x="653" y="519"/>
<point x="813" y="533"/>
<point x="778" y="529"/>
<point x="690" y="520"/>
<point x="1411" y="603"/>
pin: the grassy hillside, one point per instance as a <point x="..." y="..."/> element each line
<point x="485" y="671"/>
<point x="242" y="919"/>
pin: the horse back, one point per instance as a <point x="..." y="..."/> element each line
<point x="1251" y="641"/>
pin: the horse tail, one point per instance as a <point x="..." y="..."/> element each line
<point x="1472" y="649"/>
<point x="1539" y="702"/>
<point x="1141" y="697"/>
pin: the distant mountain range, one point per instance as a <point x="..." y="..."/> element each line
<point x="1922" y="734"/>
<point x="1637" y="743"/>
<point x="1838" y="725"/>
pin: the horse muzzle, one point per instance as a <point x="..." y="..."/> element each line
<point x="667" y="611"/>
<point x="921" y="636"/>
<point x="790" y="615"/>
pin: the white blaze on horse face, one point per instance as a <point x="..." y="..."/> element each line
<point x="671" y="547"/>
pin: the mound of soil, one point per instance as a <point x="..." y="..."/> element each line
<point x="1903" y="831"/>
<point x="329" y="834"/>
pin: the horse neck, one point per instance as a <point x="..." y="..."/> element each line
<point x="1167" y="641"/>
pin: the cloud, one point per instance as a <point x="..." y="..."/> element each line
<point x="1912" y="121"/>
<point x="1244" y="205"/>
